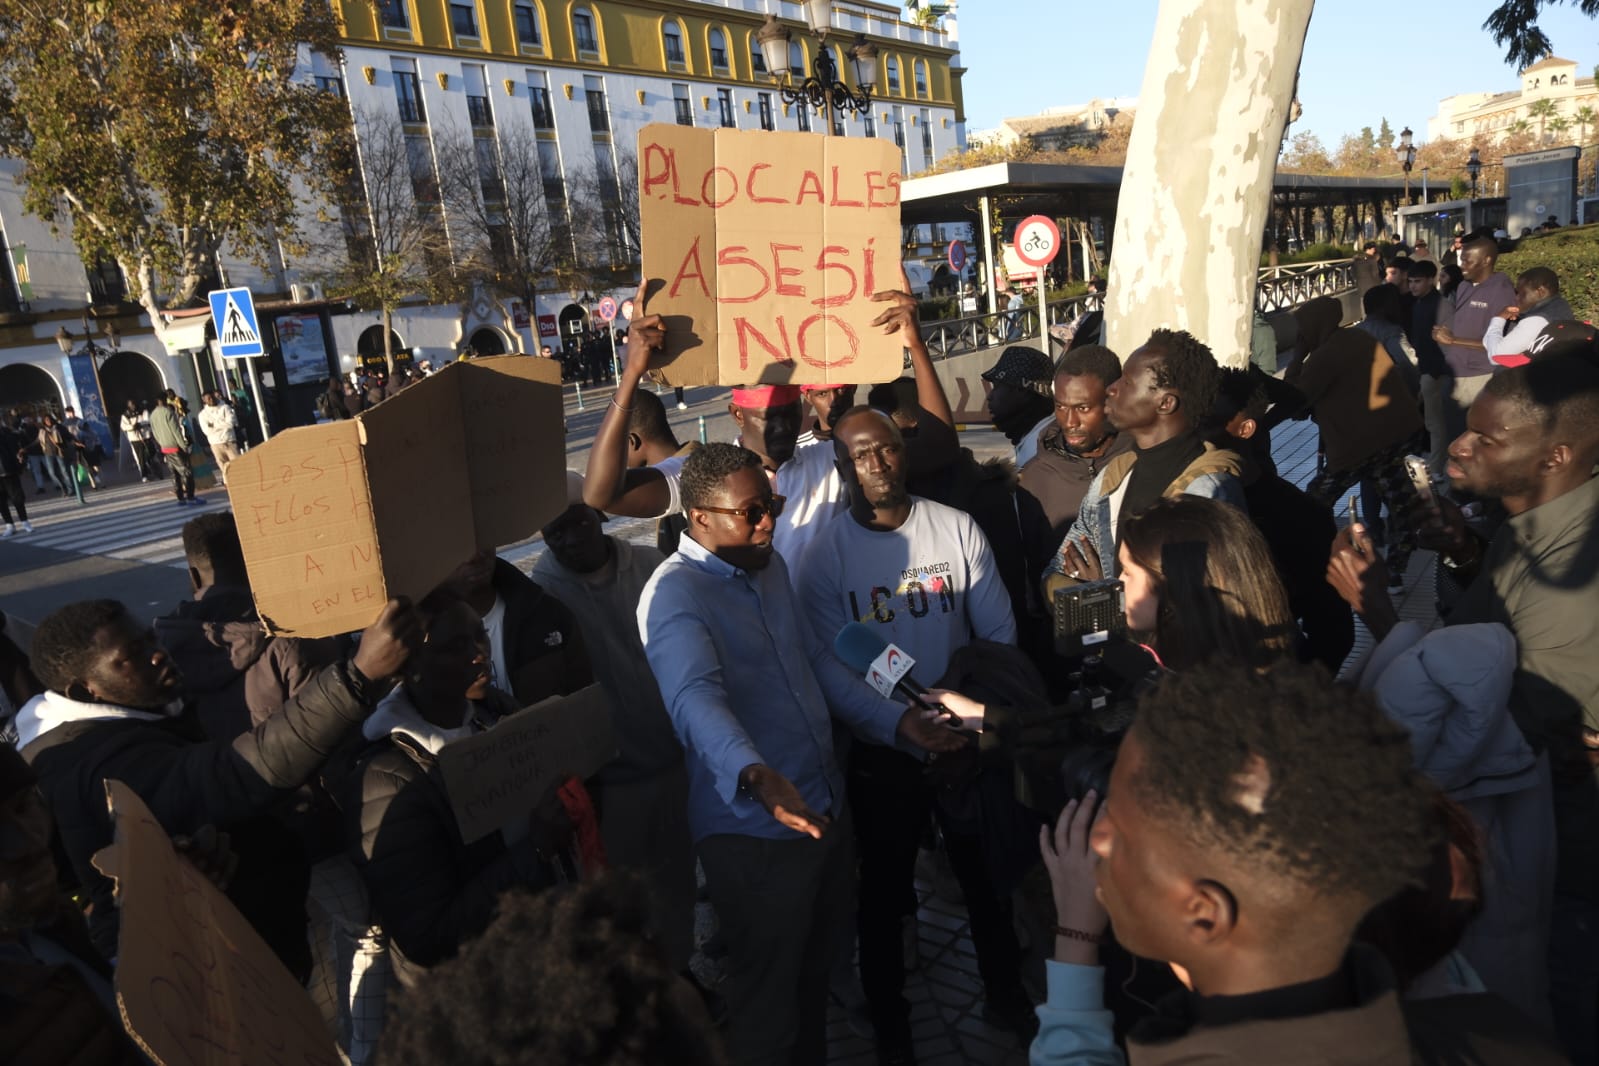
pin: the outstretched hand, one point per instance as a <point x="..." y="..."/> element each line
<point x="783" y="801"/>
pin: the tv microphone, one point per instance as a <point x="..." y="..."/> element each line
<point x="885" y="666"/>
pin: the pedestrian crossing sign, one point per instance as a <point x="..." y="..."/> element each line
<point x="233" y="317"/>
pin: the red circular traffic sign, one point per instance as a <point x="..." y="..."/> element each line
<point x="1037" y="240"/>
<point x="607" y="308"/>
<point x="957" y="256"/>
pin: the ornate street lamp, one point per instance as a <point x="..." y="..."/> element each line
<point x="1474" y="168"/>
<point x="1407" y="157"/>
<point x="824" y="90"/>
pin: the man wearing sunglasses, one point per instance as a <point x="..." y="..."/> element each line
<point x="749" y="687"/>
<point x="768" y="419"/>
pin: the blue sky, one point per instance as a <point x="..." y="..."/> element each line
<point x="1364" y="59"/>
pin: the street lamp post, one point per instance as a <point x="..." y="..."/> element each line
<point x="824" y="91"/>
<point x="1407" y="157"/>
<point x="1474" y="168"/>
<point x="65" y="341"/>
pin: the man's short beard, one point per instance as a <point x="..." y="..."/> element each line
<point x="892" y="498"/>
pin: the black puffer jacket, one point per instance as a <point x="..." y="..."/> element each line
<point x="430" y="890"/>
<point x="185" y="780"/>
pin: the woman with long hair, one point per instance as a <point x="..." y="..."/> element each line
<point x="1201" y="585"/>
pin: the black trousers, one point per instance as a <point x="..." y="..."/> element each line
<point x="12" y="496"/>
<point x="182" y="474"/>
<point x="784" y="909"/>
<point x="891" y="798"/>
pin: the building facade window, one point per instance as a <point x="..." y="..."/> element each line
<point x="757" y="60"/>
<point x="920" y="70"/>
<point x="724" y="102"/>
<point x="543" y="116"/>
<point x="408" y="91"/>
<point x="550" y="172"/>
<point x="488" y="170"/>
<point x="583" y="32"/>
<point x="796" y="59"/>
<point x="893" y="74"/>
<point x="463" y="20"/>
<point x="868" y="123"/>
<point x="419" y="157"/>
<point x="681" y="105"/>
<point x="394" y="14"/>
<point x="528" y="34"/>
<point x="925" y="121"/>
<point x="672" y="42"/>
<point x="839" y="129"/>
<point x="766" y="111"/>
<point x="477" y="96"/>
<point x="718" y="52"/>
<point x="334" y="85"/>
<point x="594" y="97"/>
<point x="803" y="111"/>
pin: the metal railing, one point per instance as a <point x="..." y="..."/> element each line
<point x="1282" y="288"/>
<point x="1279" y="289"/>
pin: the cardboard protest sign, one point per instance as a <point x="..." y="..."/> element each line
<point x="336" y="519"/>
<point x="763" y="250"/>
<point x="498" y="776"/>
<point x="195" y="983"/>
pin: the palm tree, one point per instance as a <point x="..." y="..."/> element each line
<point x="1584" y="116"/>
<point x="1521" y="125"/>
<point x="1542" y="110"/>
<point x="1558" y="126"/>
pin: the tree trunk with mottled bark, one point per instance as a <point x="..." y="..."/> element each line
<point x="1196" y="190"/>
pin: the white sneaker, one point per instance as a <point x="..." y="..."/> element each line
<point x="682" y="407"/>
<point x="10" y="529"/>
<point x="27" y="527"/>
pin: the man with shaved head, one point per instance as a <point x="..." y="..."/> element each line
<point x="923" y="576"/>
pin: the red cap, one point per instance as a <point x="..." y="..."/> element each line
<point x="1512" y="359"/>
<point x="762" y="396"/>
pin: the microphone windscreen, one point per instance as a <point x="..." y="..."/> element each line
<point x="857" y="644"/>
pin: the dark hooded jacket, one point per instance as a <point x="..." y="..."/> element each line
<point x="185" y="780"/>
<point x="544" y="650"/>
<point x="236" y="673"/>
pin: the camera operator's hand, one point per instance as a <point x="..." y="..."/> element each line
<point x="1080" y="561"/>
<point x="1070" y="862"/>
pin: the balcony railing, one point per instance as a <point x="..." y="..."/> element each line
<point x="477" y="108"/>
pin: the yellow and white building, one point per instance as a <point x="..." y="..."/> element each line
<point x="578" y="77"/>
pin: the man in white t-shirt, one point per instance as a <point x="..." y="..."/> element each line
<point x="924" y="574"/>
<point x="221" y="429"/>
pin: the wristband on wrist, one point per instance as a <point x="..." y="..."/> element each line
<point x="1077" y="934"/>
<point x="619" y="407"/>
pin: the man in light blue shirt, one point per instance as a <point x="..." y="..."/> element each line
<point x="748" y="687"/>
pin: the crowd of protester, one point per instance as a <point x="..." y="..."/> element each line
<point x="1247" y="860"/>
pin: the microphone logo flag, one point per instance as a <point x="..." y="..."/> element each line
<point x="888" y="669"/>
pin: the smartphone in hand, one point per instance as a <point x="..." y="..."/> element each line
<point x="1421" y="478"/>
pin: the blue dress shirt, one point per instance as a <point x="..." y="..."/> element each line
<point x="745" y="681"/>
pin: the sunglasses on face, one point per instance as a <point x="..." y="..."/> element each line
<point x="755" y="513"/>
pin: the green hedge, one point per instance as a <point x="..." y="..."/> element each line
<point x="1571" y="252"/>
